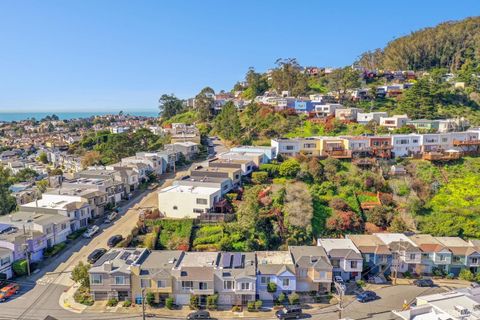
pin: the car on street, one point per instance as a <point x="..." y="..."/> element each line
<point x="199" y="315"/>
<point x="111" y="216"/>
<point x="366" y="296"/>
<point x="114" y="240"/>
<point x="91" y="231"/>
<point x="289" y="312"/>
<point x="423" y="283"/>
<point x="8" y="291"/>
<point x="95" y="255"/>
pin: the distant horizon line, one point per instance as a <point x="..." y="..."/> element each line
<point x="67" y="111"/>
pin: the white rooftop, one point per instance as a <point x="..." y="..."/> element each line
<point x="331" y="244"/>
<point x="54" y="201"/>
<point x="394" y="237"/>
<point x="190" y="189"/>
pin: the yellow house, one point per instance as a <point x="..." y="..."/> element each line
<point x="310" y="146"/>
<point x="335" y="147"/>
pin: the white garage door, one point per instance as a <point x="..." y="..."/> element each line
<point x="182" y="299"/>
<point x="224" y="300"/>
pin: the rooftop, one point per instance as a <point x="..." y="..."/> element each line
<point x="199" y="259"/>
<point x="190" y="189"/>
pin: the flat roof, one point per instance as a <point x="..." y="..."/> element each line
<point x="189" y="189"/>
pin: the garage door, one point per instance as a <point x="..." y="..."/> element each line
<point x="225" y="300"/>
<point x="182" y="299"/>
<point x="302" y="286"/>
<point x="100" y="295"/>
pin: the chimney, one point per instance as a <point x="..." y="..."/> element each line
<point x="107" y="266"/>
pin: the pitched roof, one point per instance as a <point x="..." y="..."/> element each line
<point x="369" y="243"/>
<point x="310" y="257"/>
<point x="427" y="243"/>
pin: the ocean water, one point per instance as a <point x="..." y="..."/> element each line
<point x="17" y="116"/>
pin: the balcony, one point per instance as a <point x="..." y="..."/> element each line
<point x="441" y="156"/>
<point x="458" y="143"/>
<point x="338" y="153"/>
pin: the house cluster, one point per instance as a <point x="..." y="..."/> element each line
<point x="201" y="193"/>
<point x="456" y="304"/>
<point x="125" y="273"/>
<point x="430" y="146"/>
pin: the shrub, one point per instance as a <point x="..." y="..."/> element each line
<point x="127" y="303"/>
<point x="294" y="298"/>
<point x="150" y="298"/>
<point x="360" y="283"/>
<point x="251" y="306"/>
<point x="194" y="303"/>
<point x="466" y="275"/>
<point x="271" y="287"/>
<point x="49" y="252"/>
<point x="74" y="235"/>
<point x="450" y="276"/>
<point x="260" y="177"/>
<point x="281" y="298"/>
<point x="82" y="296"/>
<point x="20" y="267"/>
<point x="236" y="308"/>
<point x="212" y="302"/>
<point x="258" y="304"/>
<point x="407" y="274"/>
<point x="112" y="302"/>
<point x="169" y="303"/>
<point x="270" y="168"/>
<point x="289" y="168"/>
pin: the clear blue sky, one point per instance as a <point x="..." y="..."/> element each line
<point x="98" y="55"/>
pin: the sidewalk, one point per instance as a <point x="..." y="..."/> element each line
<point x="67" y="301"/>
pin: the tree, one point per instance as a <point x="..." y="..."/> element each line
<point x="26" y="174"/>
<point x="398" y="225"/>
<point x="298" y="205"/>
<point x="419" y="101"/>
<point x="260" y="177"/>
<point x="315" y="168"/>
<point x="91" y="158"/>
<point x="288" y="76"/>
<point x="169" y="106"/>
<point x="341" y="80"/>
<point x="371" y="60"/>
<point x="204" y="102"/>
<point x="42" y="185"/>
<point x="7" y="201"/>
<point x="80" y="274"/>
<point x="247" y="212"/>
<point x="150" y="298"/>
<point x="43" y="158"/>
<point x="257" y="84"/>
<point x="381" y="216"/>
<point x="289" y="168"/>
<point x="227" y="123"/>
<point x="342" y="221"/>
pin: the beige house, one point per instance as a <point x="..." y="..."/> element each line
<point x="312" y="268"/>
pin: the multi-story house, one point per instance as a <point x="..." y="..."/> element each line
<point x="54" y="227"/>
<point x="235" y="174"/>
<point x="224" y="184"/>
<point x="189" y="149"/>
<point x="181" y="201"/>
<point x="406" y="144"/>
<point x="325" y="110"/>
<point x="194" y="274"/>
<point x="287" y="147"/>
<point x="359" y="145"/>
<point x="6" y="260"/>
<point x="394" y="122"/>
<point x="269" y="153"/>
<point x="381" y="146"/>
<point x="97" y="199"/>
<point x="256" y="158"/>
<point x="114" y="190"/>
<point x="246" y="166"/>
<point x="464" y="254"/>
<point x="154" y="275"/>
<point x="366" y="117"/>
<point x="346" y="114"/>
<point x="235" y="278"/>
<point x="303" y="106"/>
<point x="346" y="259"/>
<point x="110" y="276"/>
<point x="21" y="242"/>
<point x="275" y="274"/>
<point x="312" y="269"/>
<point x="406" y="255"/>
<point x="377" y="257"/>
<point x="334" y="147"/>
<point x="76" y="208"/>
<point x="434" y="254"/>
<point x="424" y="125"/>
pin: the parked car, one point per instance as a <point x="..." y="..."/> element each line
<point x="423" y="283"/>
<point x="95" y="255"/>
<point x="111" y="216"/>
<point x="289" y="312"/>
<point x="199" y="315"/>
<point x="366" y="296"/>
<point x="114" y="240"/>
<point x="8" y="291"/>
<point x="91" y="231"/>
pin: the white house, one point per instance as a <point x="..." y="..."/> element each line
<point x="394" y="122"/>
<point x="366" y="117"/>
<point x="187" y="201"/>
<point x="346" y="259"/>
<point x="406" y="144"/>
<point x="325" y="110"/>
<point x="406" y="254"/>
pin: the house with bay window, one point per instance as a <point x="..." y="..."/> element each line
<point x="275" y="274"/>
<point x="346" y="259"/>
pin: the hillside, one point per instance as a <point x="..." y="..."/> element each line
<point x="450" y="45"/>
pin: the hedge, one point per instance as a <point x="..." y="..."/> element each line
<point x="20" y="267"/>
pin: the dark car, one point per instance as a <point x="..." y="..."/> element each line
<point x="423" y="283"/>
<point x="289" y="312"/>
<point x="114" y="240"/>
<point x="95" y="255"/>
<point x="199" y="315"/>
<point x="366" y="296"/>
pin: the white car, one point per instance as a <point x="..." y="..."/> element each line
<point x="112" y="216"/>
<point x="91" y="231"/>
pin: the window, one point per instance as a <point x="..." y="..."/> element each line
<point x="285" y="282"/>
<point x="442" y="257"/>
<point x="245" y="286"/>
<point x="64" y="226"/>
<point x="264" y="280"/>
<point x="4" y="261"/>
<point x="322" y="275"/>
<point x="335" y="263"/>
<point x="202" y="286"/>
<point x="228" y="285"/>
<point x="196" y="210"/>
<point x="186" y="285"/>
<point x="175" y="208"/>
<point x="145" y="283"/>
<point x="96" y="279"/>
<point x="353" y="264"/>
<point x="302" y="273"/>
<point x="288" y="147"/>
<point x="120" y="280"/>
<point x="161" y="284"/>
<point x="412" y="256"/>
<point x="474" y="260"/>
<point x="201" y="201"/>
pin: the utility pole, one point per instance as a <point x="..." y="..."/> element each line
<point x="340" y="293"/>
<point x="143" y="303"/>
<point x="397" y="261"/>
